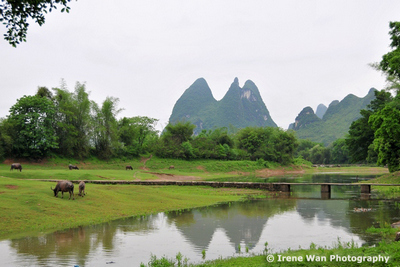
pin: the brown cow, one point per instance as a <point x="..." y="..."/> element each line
<point x="16" y="166"/>
<point x="129" y="167"/>
<point x="171" y="167"/>
<point x="64" y="186"/>
<point x="82" y="188"/>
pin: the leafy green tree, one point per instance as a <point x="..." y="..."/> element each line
<point x="339" y="152"/>
<point x="268" y="143"/>
<point x="361" y="134"/>
<point x="73" y="121"/>
<point x="32" y="119"/>
<point x="386" y="124"/>
<point x="213" y="144"/>
<point x="135" y="133"/>
<point x="170" y="144"/>
<point x="44" y="92"/>
<point x="6" y="140"/>
<point x="390" y="63"/>
<point x="105" y="128"/>
<point x="15" y="14"/>
<point x="303" y="148"/>
<point x="320" y="155"/>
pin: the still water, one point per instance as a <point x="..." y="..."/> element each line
<point x="229" y="229"/>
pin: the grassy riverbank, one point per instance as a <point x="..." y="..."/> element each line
<point x="29" y="208"/>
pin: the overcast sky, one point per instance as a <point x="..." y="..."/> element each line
<point x="147" y="53"/>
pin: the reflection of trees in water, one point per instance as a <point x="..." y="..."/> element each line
<point x="58" y="246"/>
<point x="241" y="221"/>
<point x="79" y="242"/>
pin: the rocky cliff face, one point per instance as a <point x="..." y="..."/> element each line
<point x="240" y="107"/>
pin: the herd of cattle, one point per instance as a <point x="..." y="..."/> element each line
<point x="61" y="186"/>
<point x="67" y="186"/>
<point x="64" y="186"/>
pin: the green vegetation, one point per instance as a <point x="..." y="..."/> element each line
<point x="335" y="122"/>
<point x="239" y="108"/>
<point x="250" y="143"/>
<point x="28" y="207"/>
<point x="16" y="14"/>
<point x="341" y="254"/>
<point x="69" y="124"/>
<point x="375" y="136"/>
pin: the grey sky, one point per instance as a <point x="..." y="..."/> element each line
<point x="147" y="53"/>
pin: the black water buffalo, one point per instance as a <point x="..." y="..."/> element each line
<point x="64" y="186"/>
<point x="16" y="166"/>
<point x="82" y="188"/>
<point x="73" y="167"/>
<point x="129" y="167"/>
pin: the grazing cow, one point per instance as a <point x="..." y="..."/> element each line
<point x="129" y="167"/>
<point x="397" y="236"/>
<point x="64" y="186"/>
<point x="73" y="167"/>
<point x="16" y="166"/>
<point x="171" y="167"/>
<point x="82" y="188"/>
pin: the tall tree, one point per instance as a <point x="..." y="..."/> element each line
<point x="361" y="134"/>
<point x="32" y="119"/>
<point x="105" y="127"/>
<point x="390" y="63"/>
<point x="269" y="143"/>
<point x="15" y="14"/>
<point x="6" y="140"/>
<point x="386" y="121"/>
<point x="134" y="132"/>
<point x="386" y="124"/>
<point x="73" y="121"/>
<point x="173" y="141"/>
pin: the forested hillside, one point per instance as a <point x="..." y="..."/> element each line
<point x="335" y="122"/>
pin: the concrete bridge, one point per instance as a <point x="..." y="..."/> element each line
<point x="326" y="188"/>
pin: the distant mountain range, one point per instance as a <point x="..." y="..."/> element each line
<point x="240" y="107"/>
<point x="243" y="107"/>
<point x="329" y="124"/>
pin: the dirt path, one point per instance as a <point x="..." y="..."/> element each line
<point x="173" y="177"/>
<point x="144" y="160"/>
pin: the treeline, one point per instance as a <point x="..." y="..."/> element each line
<point x="375" y="137"/>
<point x="69" y="124"/>
<point x="254" y="143"/>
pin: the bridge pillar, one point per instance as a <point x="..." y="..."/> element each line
<point x="325" y="191"/>
<point x="285" y="187"/>
<point x="366" y="189"/>
<point x="325" y="188"/>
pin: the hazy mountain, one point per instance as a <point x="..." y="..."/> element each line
<point x="335" y="122"/>
<point x="240" y="107"/>
<point x="321" y="109"/>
